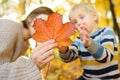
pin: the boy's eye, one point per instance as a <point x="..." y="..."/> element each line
<point x="81" y="17"/>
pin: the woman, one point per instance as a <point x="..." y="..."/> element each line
<point x="13" y="38"/>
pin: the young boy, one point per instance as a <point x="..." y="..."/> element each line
<point x="96" y="47"/>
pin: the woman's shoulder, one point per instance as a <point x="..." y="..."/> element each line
<point x="6" y="24"/>
<point x="9" y="21"/>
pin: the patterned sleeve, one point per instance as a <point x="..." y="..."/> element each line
<point x="72" y="52"/>
<point x="105" y="51"/>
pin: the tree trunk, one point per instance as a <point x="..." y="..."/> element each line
<point x="116" y="27"/>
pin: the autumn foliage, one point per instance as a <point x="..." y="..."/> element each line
<point x="53" y="28"/>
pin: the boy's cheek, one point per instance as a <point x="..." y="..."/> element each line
<point x="76" y="27"/>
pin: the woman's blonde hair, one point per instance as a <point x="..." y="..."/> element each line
<point x="86" y="7"/>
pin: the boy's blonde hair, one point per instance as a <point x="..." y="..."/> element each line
<point x="86" y="7"/>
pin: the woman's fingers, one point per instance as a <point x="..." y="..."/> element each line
<point x="47" y="60"/>
<point x="44" y="63"/>
<point x="45" y="49"/>
<point x="42" y="57"/>
<point x="42" y="60"/>
<point x="43" y="45"/>
<point x="43" y="53"/>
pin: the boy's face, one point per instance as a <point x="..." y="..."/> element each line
<point x="81" y="17"/>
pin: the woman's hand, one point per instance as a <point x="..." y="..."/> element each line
<point x="43" y="53"/>
<point x="84" y="34"/>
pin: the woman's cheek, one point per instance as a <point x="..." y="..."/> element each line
<point x="32" y="31"/>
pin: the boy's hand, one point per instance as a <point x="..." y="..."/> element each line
<point x="84" y="35"/>
<point x="62" y="49"/>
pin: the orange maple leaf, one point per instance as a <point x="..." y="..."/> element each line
<point x="53" y="28"/>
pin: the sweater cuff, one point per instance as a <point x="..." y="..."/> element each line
<point x="93" y="47"/>
<point x="33" y="70"/>
<point x="65" y="56"/>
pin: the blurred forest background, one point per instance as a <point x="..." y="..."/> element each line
<point x="109" y="12"/>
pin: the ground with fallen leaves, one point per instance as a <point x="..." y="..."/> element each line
<point x="59" y="70"/>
